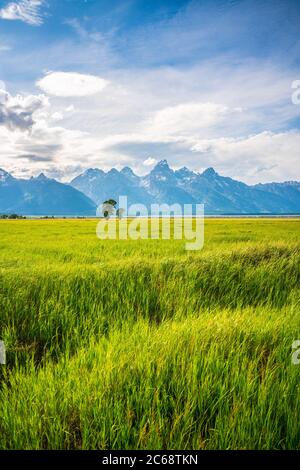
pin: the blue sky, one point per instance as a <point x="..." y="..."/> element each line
<point x="102" y="83"/>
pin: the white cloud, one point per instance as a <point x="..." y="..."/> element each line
<point x="18" y="112"/>
<point x="57" y="116"/>
<point x="149" y="161"/>
<point x="27" y="11"/>
<point x="188" y="118"/>
<point x="66" y="84"/>
<point x="266" y="156"/>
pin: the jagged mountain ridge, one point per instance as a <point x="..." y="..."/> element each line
<point x="221" y="195"/>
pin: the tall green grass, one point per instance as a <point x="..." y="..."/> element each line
<point x="141" y="344"/>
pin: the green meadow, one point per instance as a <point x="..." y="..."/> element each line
<point x="119" y="344"/>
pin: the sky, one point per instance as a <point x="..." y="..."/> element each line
<point x="114" y="83"/>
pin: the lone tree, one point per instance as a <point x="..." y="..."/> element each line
<point x="108" y="208"/>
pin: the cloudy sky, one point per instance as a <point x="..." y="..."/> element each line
<point x="103" y="83"/>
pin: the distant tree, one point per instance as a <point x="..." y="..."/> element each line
<point x="12" y="216"/>
<point x="108" y="208"/>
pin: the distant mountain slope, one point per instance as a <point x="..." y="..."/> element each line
<point x="221" y="195"/>
<point x="288" y="192"/>
<point x="42" y="196"/>
<point x="224" y="195"/>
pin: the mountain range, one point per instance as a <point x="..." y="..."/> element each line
<point x="40" y="195"/>
<point x="221" y="195"/>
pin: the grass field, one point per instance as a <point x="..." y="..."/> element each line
<point x="144" y="345"/>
